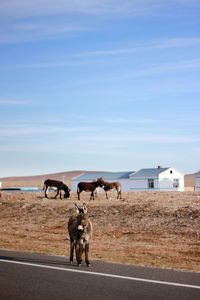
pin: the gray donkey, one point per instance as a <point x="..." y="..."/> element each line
<point x="80" y="232"/>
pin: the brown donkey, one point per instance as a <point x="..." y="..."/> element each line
<point x="80" y="232"/>
<point x="89" y="187"/>
<point x="113" y="186"/>
<point x="59" y="185"/>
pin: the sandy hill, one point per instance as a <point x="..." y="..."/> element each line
<point x="38" y="180"/>
<point x="59" y="176"/>
<point x="190" y="180"/>
<point x="65" y="177"/>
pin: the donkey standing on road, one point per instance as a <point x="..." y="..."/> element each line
<point x="89" y="187"/>
<point x="80" y="232"/>
<point x="113" y="186"/>
<point x="59" y="185"/>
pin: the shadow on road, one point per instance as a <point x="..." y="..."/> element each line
<point x="38" y="261"/>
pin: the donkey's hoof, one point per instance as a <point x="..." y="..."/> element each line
<point x="87" y="263"/>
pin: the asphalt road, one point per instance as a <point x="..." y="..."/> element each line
<point x="25" y="276"/>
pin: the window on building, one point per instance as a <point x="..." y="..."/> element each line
<point x="171" y="172"/>
<point x="151" y="183"/>
<point x="175" y="183"/>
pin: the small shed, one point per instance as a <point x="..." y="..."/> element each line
<point x="198" y="181"/>
<point x="122" y="177"/>
<point x="158" y="179"/>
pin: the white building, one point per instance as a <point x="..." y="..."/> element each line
<point x="158" y="179"/>
<point x="198" y="181"/>
<point x="122" y="177"/>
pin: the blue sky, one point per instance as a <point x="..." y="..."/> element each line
<point x="99" y="85"/>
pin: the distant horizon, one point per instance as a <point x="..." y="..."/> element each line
<point x="71" y="171"/>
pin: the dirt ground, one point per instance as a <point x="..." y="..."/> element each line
<point x="159" y="229"/>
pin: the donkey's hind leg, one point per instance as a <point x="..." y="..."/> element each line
<point x="106" y="194"/>
<point x="45" y="192"/>
<point x="119" y="194"/>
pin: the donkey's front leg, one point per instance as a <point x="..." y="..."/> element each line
<point x="72" y="245"/>
<point x="87" y="254"/>
<point x="92" y="195"/>
<point x="56" y="194"/>
<point x="79" y="252"/>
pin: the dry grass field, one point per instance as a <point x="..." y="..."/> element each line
<point x="144" y="228"/>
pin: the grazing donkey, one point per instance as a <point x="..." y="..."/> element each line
<point x="59" y="185"/>
<point x="80" y="232"/>
<point x="113" y="186"/>
<point x="89" y="187"/>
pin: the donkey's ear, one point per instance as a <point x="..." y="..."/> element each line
<point x="76" y="209"/>
<point x="84" y="208"/>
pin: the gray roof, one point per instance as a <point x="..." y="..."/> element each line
<point x="105" y="175"/>
<point x="154" y="172"/>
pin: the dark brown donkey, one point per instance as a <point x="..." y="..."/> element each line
<point x="80" y="232"/>
<point x="59" y="185"/>
<point x="89" y="187"/>
<point x="113" y="186"/>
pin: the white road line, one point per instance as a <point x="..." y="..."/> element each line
<point x="102" y="274"/>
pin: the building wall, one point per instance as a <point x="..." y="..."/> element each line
<point x="74" y="185"/>
<point x="198" y="183"/>
<point x="141" y="184"/>
<point x="125" y="183"/>
<point x="166" y="180"/>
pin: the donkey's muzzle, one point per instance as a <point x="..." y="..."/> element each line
<point x="80" y="228"/>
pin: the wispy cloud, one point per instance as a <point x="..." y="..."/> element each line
<point x="21" y="130"/>
<point x="31" y="20"/>
<point x="93" y="134"/>
<point x="165" y="68"/>
<point x="92" y="56"/>
<point x="26" y="8"/>
<point x="13" y="102"/>
<point x="148" y="45"/>
<point x="29" y="31"/>
<point x="18" y="8"/>
<point x="142" y="138"/>
<point x="130" y="121"/>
